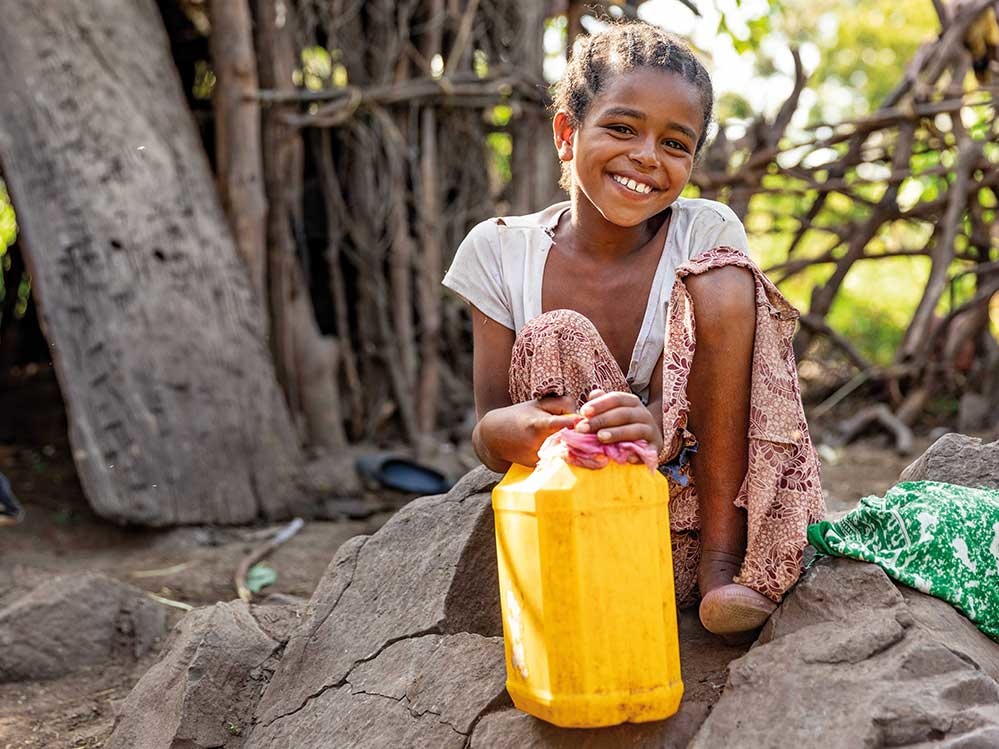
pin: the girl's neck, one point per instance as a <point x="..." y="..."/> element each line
<point x="590" y="234"/>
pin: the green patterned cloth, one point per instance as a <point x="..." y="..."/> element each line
<point x="938" y="538"/>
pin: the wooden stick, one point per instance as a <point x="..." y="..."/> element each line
<point x="852" y="427"/>
<point x="259" y="553"/>
<point x="818" y="325"/>
<point x="829" y="403"/>
<point x="169" y="602"/>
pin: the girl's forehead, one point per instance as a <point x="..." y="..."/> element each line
<point x="656" y="93"/>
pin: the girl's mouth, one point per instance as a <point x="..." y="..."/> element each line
<point x="639" y="188"/>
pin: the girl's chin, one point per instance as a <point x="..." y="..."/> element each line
<point x="625" y="211"/>
<point x="630" y="217"/>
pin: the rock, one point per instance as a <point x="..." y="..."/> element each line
<point x="512" y="729"/>
<point x="279" y="615"/>
<point x="75" y="621"/>
<point x="362" y="720"/>
<point x="423" y="691"/>
<point x="430" y="570"/>
<point x="454" y="677"/>
<point x="851" y="659"/>
<point x="957" y="459"/>
<point x="202" y="691"/>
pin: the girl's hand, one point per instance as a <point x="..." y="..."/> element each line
<point x="514" y="433"/>
<point x="619" y="417"/>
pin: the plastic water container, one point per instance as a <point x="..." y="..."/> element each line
<point x="586" y="588"/>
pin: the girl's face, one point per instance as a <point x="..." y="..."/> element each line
<point x="632" y="154"/>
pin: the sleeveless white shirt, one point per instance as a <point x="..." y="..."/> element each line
<point x="499" y="268"/>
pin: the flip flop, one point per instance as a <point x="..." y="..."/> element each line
<point x="733" y="610"/>
<point x="401" y="474"/>
<point x="10" y="511"/>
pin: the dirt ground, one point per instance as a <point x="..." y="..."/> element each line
<point x="192" y="565"/>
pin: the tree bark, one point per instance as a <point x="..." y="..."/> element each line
<point x="174" y="412"/>
<point x="237" y="134"/>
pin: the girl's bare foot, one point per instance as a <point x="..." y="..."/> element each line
<point x="727" y="608"/>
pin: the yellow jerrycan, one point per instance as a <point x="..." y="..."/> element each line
<point x="586" y="589"/>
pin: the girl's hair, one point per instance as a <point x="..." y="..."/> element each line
<point x="620" y="48"/>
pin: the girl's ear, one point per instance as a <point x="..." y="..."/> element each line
<point x="563" y="131"/>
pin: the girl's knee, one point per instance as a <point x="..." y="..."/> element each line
<point x="560" y="321"/>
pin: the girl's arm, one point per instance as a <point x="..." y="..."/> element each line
<point x="507" y="432"/>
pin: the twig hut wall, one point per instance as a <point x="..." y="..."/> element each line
<point x="395" y="104"/>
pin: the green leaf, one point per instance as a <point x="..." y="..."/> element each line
<point x="260" y="576"/>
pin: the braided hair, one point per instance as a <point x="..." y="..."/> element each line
<point x="620" y="48"/>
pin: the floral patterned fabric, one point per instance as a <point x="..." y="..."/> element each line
<point x="938" y="538"/>
<point x="561" y="353"/>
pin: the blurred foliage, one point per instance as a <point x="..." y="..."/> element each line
<point x="859" y="53"/>
<point x="8" y="224"/>
<point x="204" y="81"/>
<point x="8" y="233"/>
<point x="863" y="47"/>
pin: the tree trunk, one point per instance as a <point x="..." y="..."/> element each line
<point x="237" y="135"/>
<point x="174" y="412"/>
<point x="534" y="165"/>
<point x="307" y="361"/>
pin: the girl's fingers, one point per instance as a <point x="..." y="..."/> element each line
<point x="555" y="423"/>
<point x="627" y="433"/>
<point x="595" y="393"/>
<point x="606" y="401"/>
<point x="615" y="417"/>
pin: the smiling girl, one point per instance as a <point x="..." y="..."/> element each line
<point x="576" y="309"/>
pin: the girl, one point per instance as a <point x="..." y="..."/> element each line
<point x="578" y="322"/>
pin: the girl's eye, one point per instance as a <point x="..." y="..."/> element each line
<point x="623" y="129"/>
<point x="675" y="145"/>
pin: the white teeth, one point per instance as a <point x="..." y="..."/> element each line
<point x="632" y="185"/>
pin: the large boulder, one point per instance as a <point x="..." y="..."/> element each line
<point x="426" y="690"/>
<point x="957" y="459"/>
<point x="73" y="622"/>
<point x="852" y="659"/>
<point x="400" y="645"/>
<point x="203" y="690"/>
<point x="430" y="570"/>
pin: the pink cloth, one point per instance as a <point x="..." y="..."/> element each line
<point x="585" y="450"/>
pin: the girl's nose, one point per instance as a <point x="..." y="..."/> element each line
<point x="644" y="153"/>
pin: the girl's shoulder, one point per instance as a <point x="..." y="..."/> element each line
<point x="705" y="210"/>
<point x="543" y="221"/>
<point x="700" y="225"/>
<point x="494" y="266"/>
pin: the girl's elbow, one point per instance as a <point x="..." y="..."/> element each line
<point x="482" y="451"/>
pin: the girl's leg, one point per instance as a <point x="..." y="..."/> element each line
<point x="719" y="394"/>
<point x="561" y="353"/>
